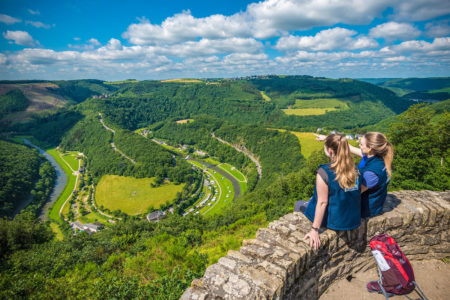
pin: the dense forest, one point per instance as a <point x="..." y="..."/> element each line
<point x="139" y="259"/>
<point x="23" y="174"/>
<point x="12" y="101"/>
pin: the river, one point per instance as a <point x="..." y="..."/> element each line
<point x="60" y="183"/>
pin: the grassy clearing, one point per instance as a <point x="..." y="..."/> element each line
<point x="71" y="180"/>
<point x="71" y="158"/>
<point x="132" y="195"/>
<point x="93" y="217"/>
<point x="185" y="121"/>
<point x="211" y="161"/>
<point x="326" y="103"/>
<point x="265" y="97"/>
<point x="58" y="234"/>
<point x="308" y="142"/>
<point x="307" y="111"/>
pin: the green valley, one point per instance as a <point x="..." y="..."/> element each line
<point x="172" y="174"/>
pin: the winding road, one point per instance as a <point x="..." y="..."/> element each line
<point x="112" y="143"/>
<point x="242" y="149"/>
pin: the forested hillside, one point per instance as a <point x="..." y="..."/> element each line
<point x="12" y="101"/>
<point x="23" y="174"/>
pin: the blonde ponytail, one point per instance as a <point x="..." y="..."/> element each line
<point x="343" y="164"/>
<point x="381" y="148"/>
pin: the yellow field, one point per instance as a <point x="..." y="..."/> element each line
<point x="182" y="80"/>
<point x="132" y="195"/>
<point x="185" y="121"/>
<point x="308" y="142"/>
<point x="265" y="97"/>
<point x="307" y="111"/>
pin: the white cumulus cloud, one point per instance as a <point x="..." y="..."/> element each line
<point x="329" y="39"/>
<point x="22" y="38"/>
<point x="8" y="19"/>
<point x="392" y="31"/>
<point x="272" y="16"/>
<point x="438" y="44"/>
<point x="183" y="27"/>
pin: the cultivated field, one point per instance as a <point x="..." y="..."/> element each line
<point x="308" y="142"/>
<point x="185" y="121"/>
<point x="183" y="80"/>
<point x="132" y="195"/>
<point x="306" y="107"/>
<point x="307" y="111"/>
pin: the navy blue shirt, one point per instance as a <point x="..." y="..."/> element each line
<point x="373" y="199"/>
<point x="344" y="205"/>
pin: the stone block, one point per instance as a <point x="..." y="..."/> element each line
<point x="239" y="256"/>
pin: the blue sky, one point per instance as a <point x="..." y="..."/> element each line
<point x="115" y="40"/>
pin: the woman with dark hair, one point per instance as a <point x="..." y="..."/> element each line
<point x="336" y="203"/>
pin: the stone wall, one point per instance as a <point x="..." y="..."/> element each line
<point x="279" y="264"/>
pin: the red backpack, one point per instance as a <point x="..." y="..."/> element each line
<point x="396" y="273"/>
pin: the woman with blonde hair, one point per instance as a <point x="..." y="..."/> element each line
<point x="336" y="203"/>
<point x="375" y="167"/>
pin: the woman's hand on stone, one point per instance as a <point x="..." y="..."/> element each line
<point x="320" y="137"/>
<point x="314" y="239"/>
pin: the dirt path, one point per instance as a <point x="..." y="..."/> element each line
<point x="432" y="276"/>
<point x="112" y="143"/>
<point x="244" y="150"/>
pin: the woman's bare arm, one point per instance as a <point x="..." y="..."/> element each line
<point x="355" y="150"/>
<point x="322" y="203"/>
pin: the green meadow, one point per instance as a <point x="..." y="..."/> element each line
<point x="313" y="107"/>
<point x="133" y="196"/>
<point x="71" y="180"/>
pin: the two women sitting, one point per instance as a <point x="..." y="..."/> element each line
<point x="344" y="193"/>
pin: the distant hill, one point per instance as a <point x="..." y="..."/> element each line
<point x="291" y="102"/>
<point x="416" y="89"/>
<point x="383" y="126"/>
<point x="44" y="97"/>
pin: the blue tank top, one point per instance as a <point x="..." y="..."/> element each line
<point x="373" y="199"/>
<point x="344" y="205"/>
